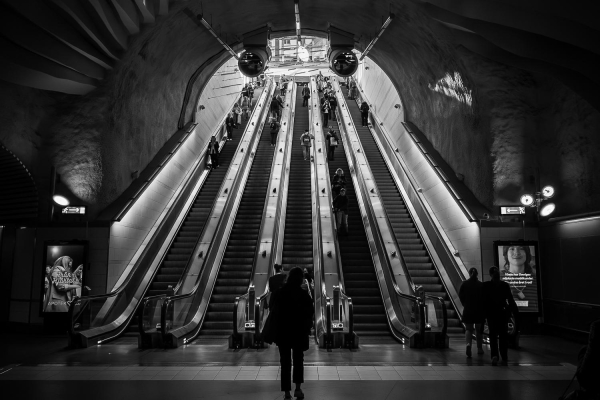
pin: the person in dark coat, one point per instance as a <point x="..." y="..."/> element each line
<point x="274" y="129"/>
<point x="332" y="143"/>
<point x="338" y="182"/>
<point x="333" y="104"/>
<point x="340" y="207"/>
<point x="277" y="280"/>
<point x="305" y="95"/>
<point x="229" y="125"/>
<point x="471" y="296"/>
<point x="364" y="113"/>
<point x="292" y="317"/>
<point x="213" y="151"/>
<point x="498" y="303"/>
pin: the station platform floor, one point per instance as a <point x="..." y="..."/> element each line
<point x="206" y="369"/>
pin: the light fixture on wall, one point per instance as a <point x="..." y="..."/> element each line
<point x="536" y="200"/>
<point x="397" y="106"/>
<point x="61" y="200"/>
<point x="201" y="107"/>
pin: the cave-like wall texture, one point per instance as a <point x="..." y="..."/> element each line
<point x="498" y="125"/>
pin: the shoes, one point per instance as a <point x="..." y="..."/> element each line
<point x="468" y="351"/>
<point x="480" y="350"/>
<point x="494" y="361"/>
<point x="287" y="397"/>
<point x="298" y="394"/>
<point x="504" y="362"/>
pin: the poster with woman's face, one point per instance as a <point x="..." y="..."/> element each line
<point x="518" y="268"/>
<point x="63" y="276"/>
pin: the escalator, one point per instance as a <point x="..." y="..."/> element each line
<point x="419" y="264"/>
<point x="176" y="259"/>
<point x="236" y="268"/>
<point x="370" y="318"/>
<point x="298" y="239"/>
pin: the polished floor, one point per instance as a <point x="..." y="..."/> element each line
<point x="540" y="369"/>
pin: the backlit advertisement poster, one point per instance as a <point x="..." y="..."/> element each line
<point x="518" y="266"/>
<point x="63" y="274"/>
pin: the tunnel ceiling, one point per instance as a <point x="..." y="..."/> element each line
<point x="69" y="45"/>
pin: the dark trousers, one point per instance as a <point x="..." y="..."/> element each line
<point x="274" y="138"/>
<point x="305" y="101"/>
<point x="365" y="118"/>
<point x="214" y="159"/>
<point x="229" y="132"/>
<point x="333" y="118"/>
<point x="330" y="153"/>
<point x="285" y="359"/>
<point x="325" y="119"/>
<point x="498" y="329"/>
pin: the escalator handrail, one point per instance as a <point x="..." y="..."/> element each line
<point x="278" y="234"/>
<point x="332" y="218"/>
<point x="141" y="311"/>
<point x="368" y="207"/>
<point x="125" y="284"/>
<point x="444" y="311"/>
<point x="169" y="300"/>
<point x="413" y="217"/>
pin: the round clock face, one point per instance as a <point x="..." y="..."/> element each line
<point x="548" y="191"/>
<point x="527" y="199"/>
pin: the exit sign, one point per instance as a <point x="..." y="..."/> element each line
<point x="512" y="210"/>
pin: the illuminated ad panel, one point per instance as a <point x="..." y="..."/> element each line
<point x="63" y="274"/>
<point x="518" y="264"/>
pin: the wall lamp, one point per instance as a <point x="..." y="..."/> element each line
<point x="536" y="200"/>
<point x="60" y="200"/>
<point x="397" y="106"/>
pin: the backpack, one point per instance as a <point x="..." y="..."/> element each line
<point x="305" y="139"/>
<point x="333" y="141"/>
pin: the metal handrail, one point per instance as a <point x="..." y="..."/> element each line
<point x="203" y="276"/>
<point x="357" y="174"/>
<point x="340" y="274"/>
<point x="410" y="211"/>
<point x="279" y="231"/>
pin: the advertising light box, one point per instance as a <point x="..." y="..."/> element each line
<point x="518" y="264"/>
<point x="63" y="274"/>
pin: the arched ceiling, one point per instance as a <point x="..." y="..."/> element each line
<point x="70" y="45"/>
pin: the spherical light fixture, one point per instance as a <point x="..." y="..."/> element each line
<point x="60" y="200"/>
<point x="547" y="209"/>
<point x="548" y="192"/>
<point x="527" y="199"/>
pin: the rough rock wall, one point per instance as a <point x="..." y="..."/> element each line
<point x="118" y="128"/>
<point x="507" y="131"/>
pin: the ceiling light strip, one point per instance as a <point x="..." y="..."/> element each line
<point x="370" y="45"/>
<point x="212" y="31"/>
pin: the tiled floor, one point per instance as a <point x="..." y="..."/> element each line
<point x="251" y="373"/>
<point x="379" y="370"/>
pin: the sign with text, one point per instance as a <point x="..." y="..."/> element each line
<point x="74" y="210"/>
<point x="517" y="262"/>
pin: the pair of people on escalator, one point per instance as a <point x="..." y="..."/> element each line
<point x="340" y="202"/>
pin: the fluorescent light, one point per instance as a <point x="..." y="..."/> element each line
<point x="298" y="25"/>
<point x="547" y="209"/>
<point x="60" y="200"/>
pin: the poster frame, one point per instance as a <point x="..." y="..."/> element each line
<point x="534" y="244"/>
<point x="51" y="243"/>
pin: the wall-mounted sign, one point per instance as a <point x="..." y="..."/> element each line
<point x="63" y="274"/>
<point x="512" y="210"/>
<point x="519" y="268"/>
<point x="74" y="210"/>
